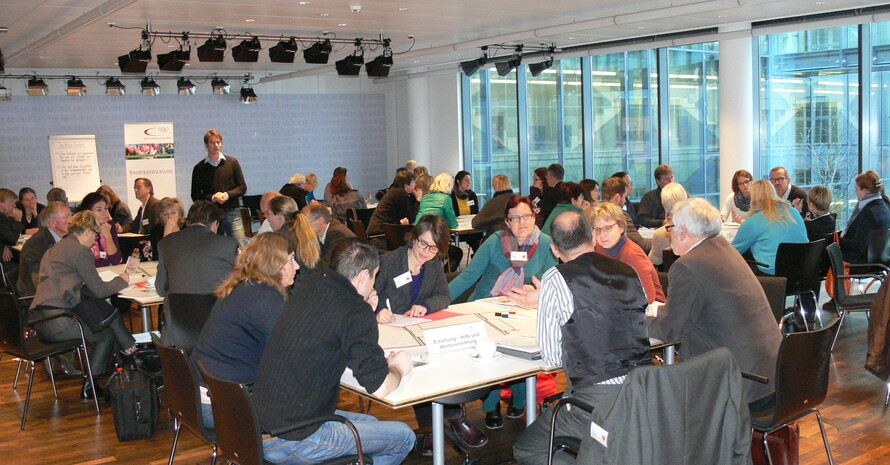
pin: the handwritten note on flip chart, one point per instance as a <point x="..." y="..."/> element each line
<point x="75" y="164"/>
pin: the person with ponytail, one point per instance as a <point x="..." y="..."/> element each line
<point x="872" y="212"/>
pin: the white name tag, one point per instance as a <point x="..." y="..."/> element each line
<point x="402" y="279"/>
<point x="145" y="222"/>
<point x="103" y="254"/>
<point x="599" y="434"/>
<point x="537" y="199"/>
<point x="471" y="202"/>
<point x="454" y="337"/>
<point x="518" y="256"/>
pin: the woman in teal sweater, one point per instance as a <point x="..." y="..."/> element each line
<point x="772" y="222"/>
<point x="508" y="259"/>
<point x="438" y="201"/>
<point x="571" y="199"/>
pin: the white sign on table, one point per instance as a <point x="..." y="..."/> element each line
<point x="455" y="337"/>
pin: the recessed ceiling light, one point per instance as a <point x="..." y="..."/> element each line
<point x="403" y="9"/>
<point x="324" y="15"/>
<point x="571" y="37"/>
<point x="416" y="61"/>
<point x="304" y="3"/>
<point x="342" y="25"/>
<point x="640" y="28"/>
<point x="249" y="20"/>
<point x="820" y="3"/>
<point x="721" y="16"/>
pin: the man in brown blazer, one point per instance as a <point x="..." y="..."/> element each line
<point x="330" y="231"/>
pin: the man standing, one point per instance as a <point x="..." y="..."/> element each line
<point x="591" y="321"/>
<point x="398" y="206"/>
<point x="330" y="231"/>
<point x="55" y="217"/>
<point x="554" y="176"/>
<point x="714" y="299"/>
<point x="780" y="179"/>
<point x="145" y="217"/>
<point x="615" y="190"/>
<point x="629" y="206"/>
<point x="651" y="213"/>
<point x="218" y="178"/>
<point x="329" y="325"/>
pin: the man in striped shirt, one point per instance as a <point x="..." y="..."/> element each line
<point x="592" y="322"/>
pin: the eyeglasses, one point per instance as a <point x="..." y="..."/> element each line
<point x="427" y="247"/>
<point x="668" y="227"/>
<point x="775" y="180"/>
<point x="604" y="229"/>
<point x="516" y="219"/>
<point x="744" y="183"/>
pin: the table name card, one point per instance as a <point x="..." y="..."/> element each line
<point x="454" y="337"/>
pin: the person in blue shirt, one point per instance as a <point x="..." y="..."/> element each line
<point x="772" y="221"/>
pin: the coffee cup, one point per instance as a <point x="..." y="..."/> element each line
<point x="151" y="281"/>
<point x="486" y="348"/>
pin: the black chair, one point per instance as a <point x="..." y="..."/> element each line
<point x="238" y="434"/>
<point x="246" y="221"/>
<point x="186" y="315"/>
<point x="799" y="264"/>
<point x="395" y="234"/>
<point x="824" y="263"/>
<point x="663" y="280"/>
<point x="802" y="369"/>
<point x="774" y="288"/>
<point x="181" y="396"/>
<point x="357" y="228"/>
<point x="361" y="214"/>
<point x="13" y="329"/>
<point x="668" y="257"/>
<point x="252" y="203"/>
<point x="845" y="302"/>
<point x="466" y="294"/>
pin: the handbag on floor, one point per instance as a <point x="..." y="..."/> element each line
<point x="784" y="446"/>
<point x="134" y="403"/>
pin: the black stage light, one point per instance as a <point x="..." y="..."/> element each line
<point x="150" y="87"/>
<point x="379" y="67"/>
<point x="350" y="65"/>
<point x="504" y="67"/>
<point x="114" y="87"/>
<point x="470" y="67"/>
<point x="248" y="96"/>
<point x="174" y="61"/>
<point x="213" y="50"/>
<point x="135" y="61"/>
<point x="537" y="68"/>
<point x="318" y="53"/>
<point x="37" y="86"/>
<point x="284" y="52"/>
<point x="220" y="87"/>
<point x="5" y="94"/>
<point x="186" y="87"/>
<point x="247" y="51"/>
<point x="76" y="87"/>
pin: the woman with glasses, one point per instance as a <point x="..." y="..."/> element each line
<point x="106" y="250"/>
<point x="508" y="259"/>
<point x="737" y="206"/>
<point x="411" y="282"/>
<point x="771" y="222"/>
<point x="609" y="223"/>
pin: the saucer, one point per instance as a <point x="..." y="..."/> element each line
<point x="475" y="357"/>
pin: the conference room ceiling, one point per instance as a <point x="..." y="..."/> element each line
<point x="74" y="34"/>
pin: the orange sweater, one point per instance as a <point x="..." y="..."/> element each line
<point x="634" y="256"/>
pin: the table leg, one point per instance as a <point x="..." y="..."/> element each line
<point x="531" y="404"/>
<point x="146" y="318"/>
<point x="669" y="354"/>
<point x="438" y="434"/>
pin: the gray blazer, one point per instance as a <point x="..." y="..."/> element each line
<point x="433" y="293"/>
<point x="29" y="262"/>
<point x="337" y="233"/>
<point x="491" y="217"/>
<point x="65" y="269"/>
<point x="714" y="300"/>
<point x="194" y="260"/>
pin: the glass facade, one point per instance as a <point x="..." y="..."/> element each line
<point x="494" y="136"/>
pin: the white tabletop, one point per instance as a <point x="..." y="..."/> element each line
<point x="728" y="230"/>
<point x="142" y="295"/>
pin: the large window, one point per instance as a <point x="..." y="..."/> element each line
<point x="494" y="128"/>
<point x="809" y="117"/>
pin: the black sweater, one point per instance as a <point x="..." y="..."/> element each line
<point x="227" y="177"/>
<point x="325" y="327"/>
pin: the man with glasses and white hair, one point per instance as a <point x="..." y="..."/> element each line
<point x="780" y="179"/>
<point x="53" y="227"/>
<point x="714" y="299"/>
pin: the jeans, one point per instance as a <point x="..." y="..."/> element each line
<point x="493" y="399"/>
<point x="230" y="225"/>
<point x="386" y="442"/>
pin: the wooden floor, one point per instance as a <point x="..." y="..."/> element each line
<point x="66" y="431"/>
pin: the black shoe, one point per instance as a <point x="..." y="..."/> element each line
<point x="468" y="434"/>
<point x="513" y="412"/>
<point x="830" y="305"/>
<point x="66" y="362"/>
<point x="424" y="444"/>
<point x="493" y="419"/>
<point x="86" y="393"/>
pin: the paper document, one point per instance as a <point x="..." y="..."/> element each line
<point x="501" y="302"/>
<point x="402" y="321"/>
<point x="107" y="275"/>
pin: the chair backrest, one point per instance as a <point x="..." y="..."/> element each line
<point x="180" y="393"/>
<point x="187" y="314"/>
<point x="465" y="296"/>
<point x="668" y="257"/>
<point x="879" y="247"/>
<point x="836" y="258"/>
<point x="799" y="264"/>
<point x="11" y="328"/>
<point x="802" y="369"/>
<point x="237" y="429"/>
<point x="395" y="234"/>
<point x="246" y="221"/>
<point x="252" y="202"/>
<point x="364" y="215"/>
<point x="357" y="228"/>
<point x="824" y="263"/>
<point x="774" y="288"/>
<point x="663" y="280"/>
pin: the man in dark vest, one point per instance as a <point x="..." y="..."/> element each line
<point x="592" y="322"/>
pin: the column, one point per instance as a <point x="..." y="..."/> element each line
<point x="737" y="136"/>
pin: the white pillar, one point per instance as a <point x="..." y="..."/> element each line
<point x="737" y="135"/>
<point x="418" y="121"/>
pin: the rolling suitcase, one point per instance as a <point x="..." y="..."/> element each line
<point x="134" y="404"/>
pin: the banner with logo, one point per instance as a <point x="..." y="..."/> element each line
<point x="149" y="154"/>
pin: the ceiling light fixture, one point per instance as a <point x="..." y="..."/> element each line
<point x="318" y="53"/>
<point x="470" y="67"/>
<point x="37" y="86"/>
<point x="220" y="87"/>
<point x="284" y="52"/>
<point x="248" y="51"/>
<point x="537" y="68"/>
<point x="137" y="60"/>
<point x="352" y="64"/>
<point x="504" y="67"/>
<point x="76" y="87"/>
<point x="380" y="66"/>
<point x="186" y="87"/>
<point x="5" y="94"/>
<point x="114" y="87"/>
<point x="248" y="96"/>
<point x="214" y="49"/>
<point x="174" y="61"/>
<point x="150" y="87"/>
